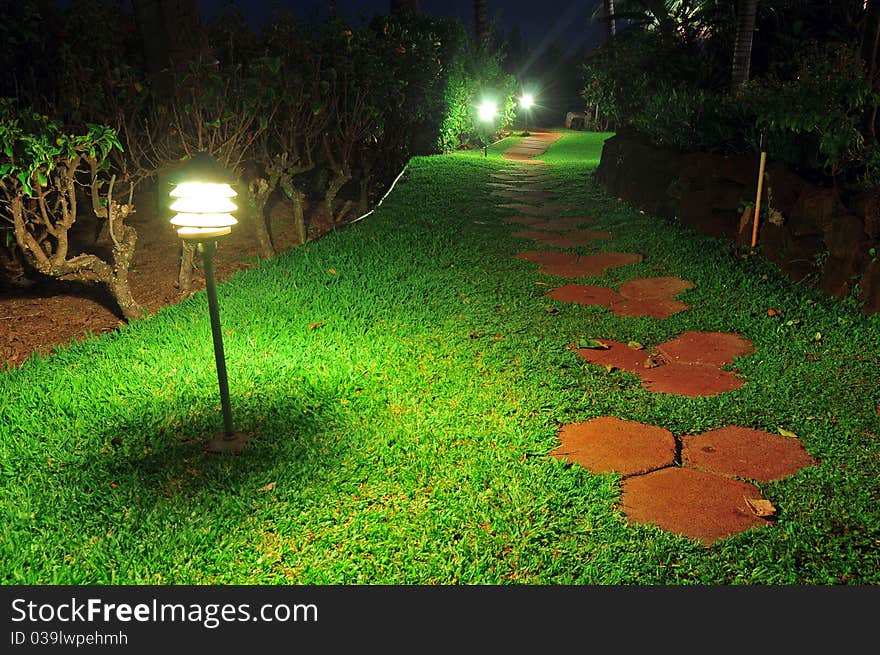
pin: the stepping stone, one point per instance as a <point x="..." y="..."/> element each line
<point x="576" y="239"/>
<point x="525" y="220"/>
<point x="562" y="224"/>
<point x="589" y="295"/>
<point x="583" y="294"/>
<point x="659" y="376"/>
<point x="654" y="287"/>
<point x="617" y="355"/>
<point x="696" y="504"/>
<point x="715" y="348"/>
<point x="538" y="210"/>
<point x="692" y="380"/>
<point x="612" y="445"/>
<point x="591" y="265"/>
<point x="745" y="453"/>
<point x="659" y="308"/>
<point x="548" y="257"/>
<point x="525" y="196"/>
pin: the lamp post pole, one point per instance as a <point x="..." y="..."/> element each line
<point x="208" y="248"/>
<point x="202" y="197"/>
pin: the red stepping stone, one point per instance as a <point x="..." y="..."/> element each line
<point x="524" y="220"/>
<point x="696" y="504"/>
<point x="548" y="257"/>
<point x="612" y="445"/>
<point x="716" y="348"/>
<point x="591" y="265"/>
<point x="594" y="295"/>
<point x="649" y="307"/>
<point x="619" y="355"/>
<point x="562" y="224"/>
<point x="745" y="453"/>
<point x="583" y="294"/>
<point x="654" y="287"/>
<point x="535" y="235"/>
<point x="571" y="239"/>
<point x="537" y="210"/>
<point x="693" y="380"/>
<point x="524" y="196"/>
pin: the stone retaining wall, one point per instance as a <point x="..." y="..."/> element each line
<point x="811" y="232"/>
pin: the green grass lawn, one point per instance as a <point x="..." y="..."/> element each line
<point x="405" y="438"/>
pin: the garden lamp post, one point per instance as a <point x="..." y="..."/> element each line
<point x="527" y="101"/>
<point x="202" y="200"/>
<point x="487" y="112"/>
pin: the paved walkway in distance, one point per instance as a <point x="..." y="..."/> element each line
<point x="531" y="146"/>
<point x="702" y="485"/>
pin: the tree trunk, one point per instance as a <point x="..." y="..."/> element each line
<point x="742" y="50"/>
<point x="610" y="25"/>
<point x="187" y="265"/>
<point x="870" y="40"/>
<point x="255" y="203"/>
<point x="297" y="197"/>
<point x="481" y="21"/>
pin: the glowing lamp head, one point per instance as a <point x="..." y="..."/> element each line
<point x="527" y="101"/>
<point x="487" y="111"/>
<point x="202" y="200"/>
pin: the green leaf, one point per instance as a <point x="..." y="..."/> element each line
<point x="787" y="433"/>
<point x="594" y="344"/>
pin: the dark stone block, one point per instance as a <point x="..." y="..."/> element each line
<point x="870" y="284"/>
<point x="818" y="206"/>
<point x="845" y="234"/>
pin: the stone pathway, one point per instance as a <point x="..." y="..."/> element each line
<point x="701" y="486"/>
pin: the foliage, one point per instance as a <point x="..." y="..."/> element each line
<point x="407" y="439"/>
<point x="41" y="168"/>
<point x="810" y="101"/>
<point x="814" y="118"/>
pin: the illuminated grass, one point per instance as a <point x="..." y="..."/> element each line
<point x="405" y="438"/>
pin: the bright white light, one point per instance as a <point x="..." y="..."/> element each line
<point x="488" y="110"/>
<point x="203" y="209"/>
<point x="527" y="101"/>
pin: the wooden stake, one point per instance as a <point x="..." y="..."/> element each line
<point x="758" y="197"/>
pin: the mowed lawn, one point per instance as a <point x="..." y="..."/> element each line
<point x="404" y="380"/>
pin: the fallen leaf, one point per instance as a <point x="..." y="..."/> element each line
<point x="332" y="271"/>
<point x="610" y="368"/>
<point x="651" y="362"/>
<point x="312" y="326"/>
<point x="760" y="507"/>
<point x="773" y="312"/>
<point x="551" y="310"/>
<point x="113" y="485"/>
<point x="268" y="487"/>
<point x="595" y="344"/>
<point x="635" y="344"/>
<point x="787" y="433"/>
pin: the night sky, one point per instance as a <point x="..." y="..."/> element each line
<point x="565" y="21"/>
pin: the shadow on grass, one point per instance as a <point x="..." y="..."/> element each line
<point x="155" y="458"/>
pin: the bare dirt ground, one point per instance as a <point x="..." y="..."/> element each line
<point x="37" y="313"/>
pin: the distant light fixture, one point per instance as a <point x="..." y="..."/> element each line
<point x="202" y="199"/>
<point x="527" y="101"/>
<point x="488" y="110"/>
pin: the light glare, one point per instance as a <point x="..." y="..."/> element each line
<point x="488" y="110"/>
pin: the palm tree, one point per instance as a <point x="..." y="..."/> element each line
<point x="742" y="49"/>
<point x="481" y="20"/>
<point x="610" y="26"/>
<point x="399" y="7"/>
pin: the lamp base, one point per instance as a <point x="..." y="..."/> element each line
<point x="228" y="443"/>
